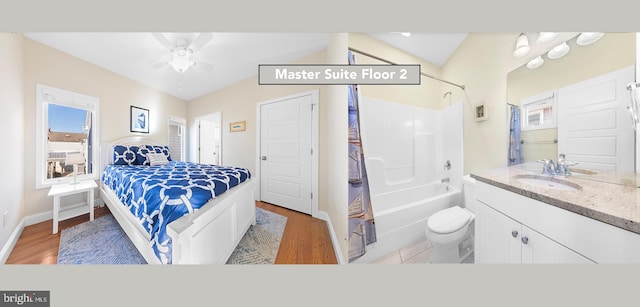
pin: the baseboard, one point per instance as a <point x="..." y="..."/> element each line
<point x="13" y="239"/>
<point x="334" y="239"/>
<point x="35" y="219"/>
<point x="47" y="215"/>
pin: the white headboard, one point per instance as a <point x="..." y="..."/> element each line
<point x="106" y="149"/>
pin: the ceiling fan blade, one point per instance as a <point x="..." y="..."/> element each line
<point x="200" y="41"/>
<point x="204" y="66"/>
<point x="163" y="40"/>
<point x="160" y="65"/>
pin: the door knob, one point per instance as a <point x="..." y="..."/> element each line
<point x="525" y="240"/>
<point x="264" y="157"/>
<point x="514" y="233"/>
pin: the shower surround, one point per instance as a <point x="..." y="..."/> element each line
<point x="406" y="149"/>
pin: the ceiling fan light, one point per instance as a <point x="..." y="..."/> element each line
<point x="535" y="63"/>
<point x="182" y="60"/>
<point x="558" y="51"/>
<point x="545" y="37"/>
<point x="522" y="46"/>
<point x="586" y="38"/>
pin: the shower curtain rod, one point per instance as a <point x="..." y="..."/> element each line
<point x="392" y="63"/>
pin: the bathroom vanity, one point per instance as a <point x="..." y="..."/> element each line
<point x="523" y="217"/>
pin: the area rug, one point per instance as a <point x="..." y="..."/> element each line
<point x="102" y="241"/>
<point x="261" y="242"/>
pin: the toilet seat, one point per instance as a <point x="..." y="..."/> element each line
<point x="448" y="220"/>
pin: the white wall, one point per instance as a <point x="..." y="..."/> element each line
<point x="12" y="125"/>
<point x="334" y="122"/>
<point x="481" y="63"/>
<point x="48" y="66"/>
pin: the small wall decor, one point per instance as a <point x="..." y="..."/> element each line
<point x="480" y="111"/>
<point x="139" y="120"/>
<point x="237" y="126"/>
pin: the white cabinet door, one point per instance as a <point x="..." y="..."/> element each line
<point x="502" y="239"/>
<point x="537" y="248"/>
<point x="497" y="237"/>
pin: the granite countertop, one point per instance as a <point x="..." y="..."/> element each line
<point x="607" y="197"/>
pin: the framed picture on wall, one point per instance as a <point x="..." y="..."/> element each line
<point x="237" y="126"/>
<point x="480" y="111"/>
<point x="139" y="120"/>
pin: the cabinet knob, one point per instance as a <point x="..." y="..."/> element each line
<point x="514" y="233"/>
<point x="525" y="240"/>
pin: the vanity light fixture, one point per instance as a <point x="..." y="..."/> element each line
<point x="545" y="37"/>
<point x="522" y="46"/>
<point x="535" y="63"/>
<point x="558" y="51"/>
<point x="586" y="38"/>
<point x="405" y="34"/>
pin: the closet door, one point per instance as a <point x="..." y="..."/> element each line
<point x="285" y="153"/>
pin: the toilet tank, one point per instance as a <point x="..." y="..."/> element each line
<point x="469" y="192"/>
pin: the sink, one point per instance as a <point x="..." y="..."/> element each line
<point x="547" y="182"/>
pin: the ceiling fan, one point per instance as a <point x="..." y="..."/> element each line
<point x="182" y="52"/>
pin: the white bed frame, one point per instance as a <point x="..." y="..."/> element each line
<point x="206" y="236"/>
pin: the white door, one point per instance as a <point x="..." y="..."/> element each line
<point x="209" y="142"/>
<point x="594" y="126"/>
<point x="286" y="152"/>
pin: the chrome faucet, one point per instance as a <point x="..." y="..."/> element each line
<point x="562" y="168"/>
<point x="447" y="165"/>
<point x="559" y="169"/>
<point x="548" y="167"/>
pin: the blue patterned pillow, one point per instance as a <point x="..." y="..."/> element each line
<point x="160" y="149"/>
<point x="141" y="155"/>
<point x="124" y="155"/>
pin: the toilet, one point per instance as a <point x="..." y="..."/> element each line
<point x="450" y="230"/>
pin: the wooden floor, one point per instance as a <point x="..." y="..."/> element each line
<point x="305" y="240"/>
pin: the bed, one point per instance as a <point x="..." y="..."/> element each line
<point x="200" y="223"/>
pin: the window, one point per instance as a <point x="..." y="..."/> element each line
<point x="177" y="138"/>
<point x="66" y="129"/>
<point x="539" y="112"/>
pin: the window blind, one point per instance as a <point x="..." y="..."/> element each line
<point x="176" y="141"/>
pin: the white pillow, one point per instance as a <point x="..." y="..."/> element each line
<point x="157" y="159"/>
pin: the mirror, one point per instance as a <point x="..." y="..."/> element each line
<point x="557" y="101"/>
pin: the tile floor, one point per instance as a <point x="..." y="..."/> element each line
<point x="417" y="252"/>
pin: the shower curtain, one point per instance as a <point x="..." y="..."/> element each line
<point x="515" y="149"/>
<point x="362" y="231"/>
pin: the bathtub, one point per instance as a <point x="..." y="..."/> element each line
<point x="401" y="216"/>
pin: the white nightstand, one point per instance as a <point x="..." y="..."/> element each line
<point x="60" y="190"/>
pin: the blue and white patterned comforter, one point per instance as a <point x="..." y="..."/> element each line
<point x="158" y="195"/>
